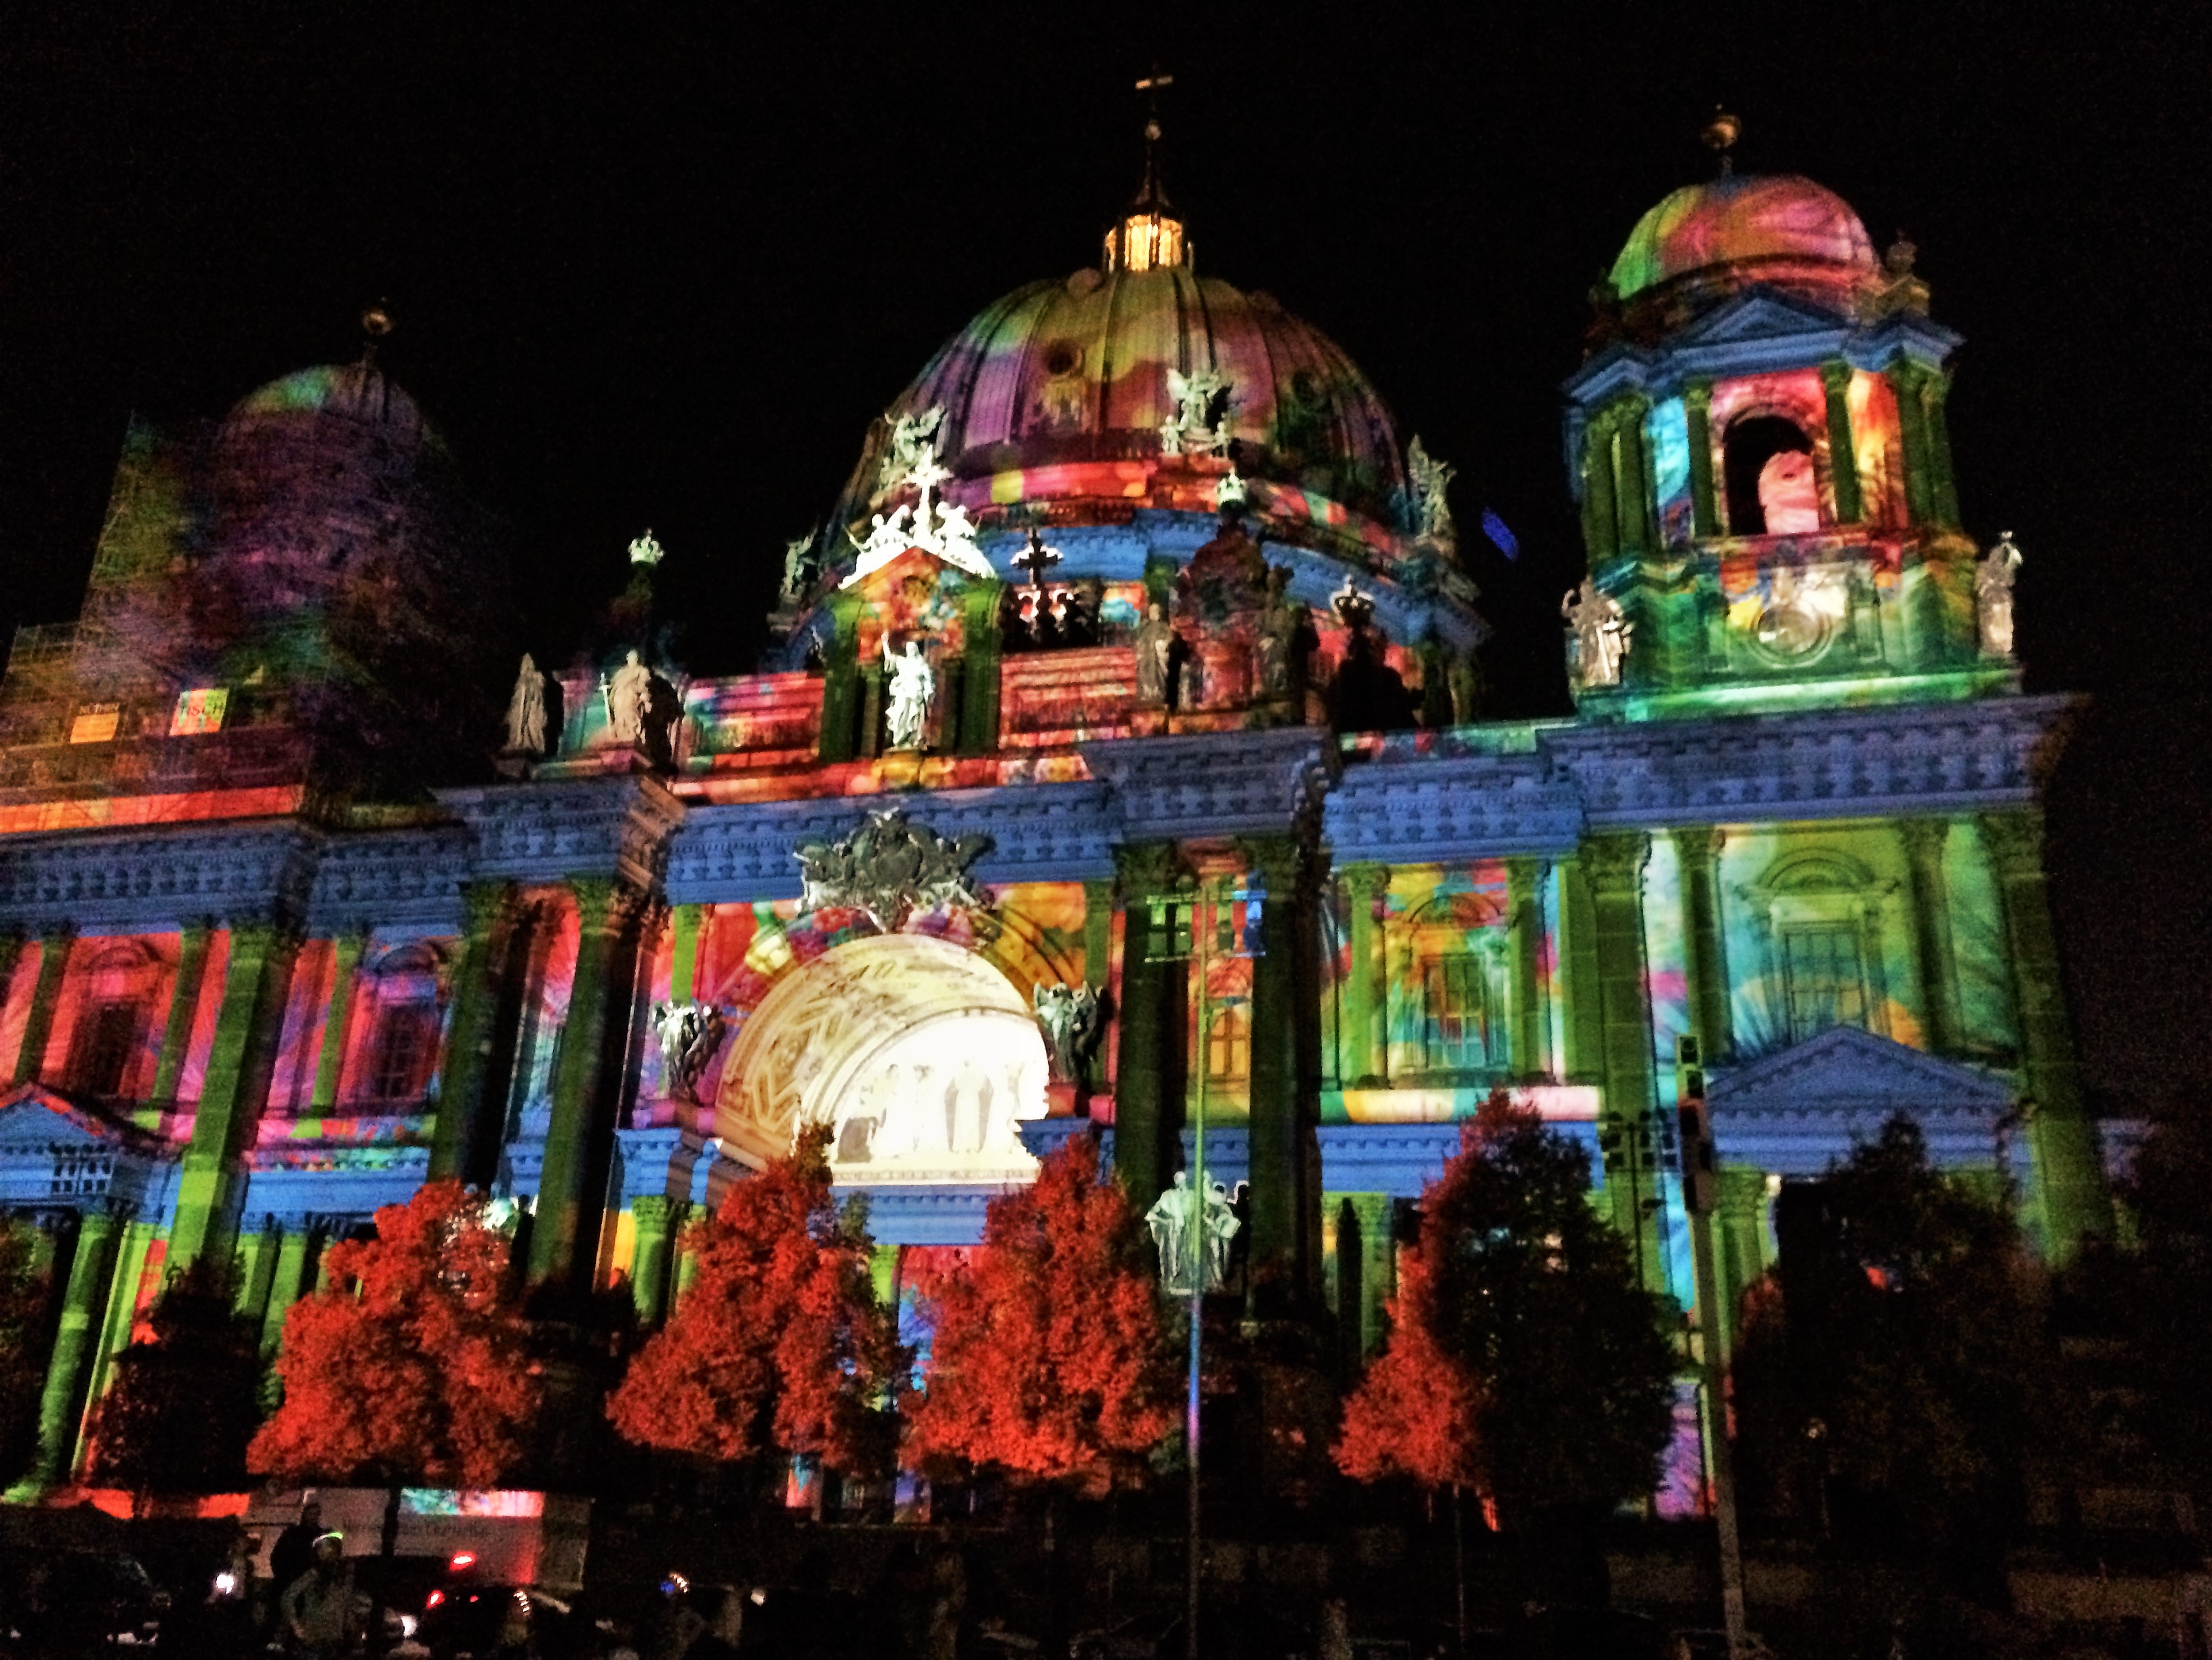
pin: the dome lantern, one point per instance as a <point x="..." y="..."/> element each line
<point x="1149" y="236"/>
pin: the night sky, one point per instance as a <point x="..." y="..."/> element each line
<point x="664" y="270"/>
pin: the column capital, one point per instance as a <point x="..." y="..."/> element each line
<point x="1143" y="868"/>
<point x="606" y="904"/>
<point x="1615" y="860"/>
<point x="1699" y="842"/>
<point x="1284" y="863"/>
<point x="1365" y="882"/>
<point x="1836" y="376"/>
<point x="484" y="905"/>
<point x="1699" y="396"/>
<point x="1923" y="838"/>
<point x="2015" y="840"/>
<point x="655" y="1209"/>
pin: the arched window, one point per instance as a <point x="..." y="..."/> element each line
<point x="406" y="1017"/>
<point x="108" y="1057"/>
<point x="1772" y="487"/>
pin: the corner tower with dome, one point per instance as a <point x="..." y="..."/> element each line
<point x="1116" y="768"/>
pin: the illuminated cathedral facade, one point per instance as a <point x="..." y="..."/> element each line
<point x="1118" y="765"/>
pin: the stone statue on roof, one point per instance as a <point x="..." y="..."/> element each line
<point x="1432" y="518"/>
<point x="525" y="711"/>
<point x="1993" y="580"/>
<point x="1601" y="634"/>
<point x="1194" y="430"/>
<point x="629" y="700"/>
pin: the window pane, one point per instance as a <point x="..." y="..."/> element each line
<point x="102" y="1050"/>
<point x="1827" y="986"/>
<point x="407" y="1039"/>
<point x="1454" y="1025"/>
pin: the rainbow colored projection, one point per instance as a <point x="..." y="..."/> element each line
<point x="1136" y="602"/>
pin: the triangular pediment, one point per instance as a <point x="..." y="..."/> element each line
<point x="1844" y="1069"/>
<point x="34" y="1118"/>
<point x="892" y="577"/>
<point x="1760" y="314"/>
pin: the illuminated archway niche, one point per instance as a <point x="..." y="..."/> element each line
<point x="919" y="1055"/>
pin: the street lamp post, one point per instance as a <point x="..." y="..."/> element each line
<point x="1198" y="924"/>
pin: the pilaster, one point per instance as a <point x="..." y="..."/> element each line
<point x="1377" y="1267"/>
<point x="1578" y="963"/>
<point x="684" y="927"/>
<point x="255" y="981"/>
<point x="1923" y="840"/>
<point x="337" y="1018"/>
<point x="1943" y="494"/>
<point x="1601" y="522"/>
<point x="1705" y="507"/>
<point x="841" y="681"/>
<point x="1531" y="1024"/>
<point x="287" y="1278"/>
<point x="1704" y="947"/>
<point x="1842" y="455"/>
<point x="1362" y="1060"/>
<point x="2069" y="1171"/>
<point x="54" y="948"/>
<point x="978" y="732"/>
<point x="1632" y="491"/>
<point x="113" y="1334"/>
<point x="1741" y="1214"/>
<point x="184" y="1004"/>
<point x="1905" y="378"/>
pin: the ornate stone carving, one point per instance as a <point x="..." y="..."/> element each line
<point x="630" y="700"/>
<point x="909" y="433"/>
<point x="690" y="1033"/>
<point x="939" y="527"/>
<point x="645" y="552"/>
<point x="1600" y="635"/>
<point x="1432" y="518"/>
<point x="1993" y="580"/>
<point x="1069" y="1015"/>
<point x="1201" y="424"/>
<point x="889" y="869"/>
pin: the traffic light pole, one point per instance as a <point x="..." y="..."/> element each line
<point x="1699" y="1181"/>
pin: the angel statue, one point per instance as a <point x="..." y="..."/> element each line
<point x="1069" y="1015"/>
<point x="1602" y="634"/>
<point x="689" y="1034"/>
<point x="913" y="685"/>
<point x="1191" y="432"/>
<point x="1432" y="519"/>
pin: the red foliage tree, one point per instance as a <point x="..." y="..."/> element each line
<point x="780" y="1342"/>
<point x="1048" y="1358"/>
<point x="1524" y="1360"/>
<point x="411" y="1362"/>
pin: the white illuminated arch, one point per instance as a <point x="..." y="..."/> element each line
<point x="920" y="1056"/>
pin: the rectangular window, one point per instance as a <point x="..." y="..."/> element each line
<point x="1827" y="983"/>
<point x="406" y="1050"/>
<point x="107" y="1033"/>
<point x="1229" y="1044"/>
<point x="1455" y="1035"/>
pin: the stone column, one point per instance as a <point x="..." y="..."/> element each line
<point x="1377" y="1267"/>
<point x="1705" y="505"/>
<point x="112" y="1335"/>
<point x="1531" y="1024"/>
<point x="470" y="1077"/>
<point x="1603" y="524"/>
<point x="684" y="929"/>
<point x="1923" y="840"/>
<point x="1904" y="377"/>
<point x="255" y="981"/>
<point x="184" y="1004"/>
<point x="1362" y="1060"/>
<point x="840" y="731"/>
<point x="1150" y="1024"/>
<point x="54" y="947"/>
<point x="687" y="1247"/>
<point x="1631" y="491"/>
<point x="1843" y="458"/>
<point x="978" y="732"/>
<point x="256" y="1258"/>
<point x="1585" y="1007"/>
<point x="1742" y="1218"/>
<point x="337" y="1019"/>
<point x="1704" y="947"/>
<point x="564" y="1231"/>
<point x="651" y="1215"/>
<point x="2069" y="1173"/>
<point x="1614" y="861"/>
<point x="83" y="1302"/>
<point x="1943" y="492"/>
<point x="286" y="1280"/>
<point x="1286" y="1156"/>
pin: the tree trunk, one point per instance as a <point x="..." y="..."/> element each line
<point x="1459" y="1565"/>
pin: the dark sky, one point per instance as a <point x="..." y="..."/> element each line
<point x="663" y="269"/>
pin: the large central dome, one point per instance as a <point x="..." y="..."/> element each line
<point x="1058" y="393"/>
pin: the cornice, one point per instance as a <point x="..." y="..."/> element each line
<point x="620" y="828"/>
<point x="145" y="879"/>
<point x="1205" y="784"/>
<point x="1453" y="806"/>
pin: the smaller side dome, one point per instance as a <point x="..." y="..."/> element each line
<point x="1753" y="228"/>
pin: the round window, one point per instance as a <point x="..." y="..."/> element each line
<point x="1062" y="357"/>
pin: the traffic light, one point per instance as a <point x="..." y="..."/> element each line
<point x="1699" y="1178"/>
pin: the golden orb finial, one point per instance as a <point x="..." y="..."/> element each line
<point x="1720" y="134"/>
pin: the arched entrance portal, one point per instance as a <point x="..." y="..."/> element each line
<point x="919" y="1055"/>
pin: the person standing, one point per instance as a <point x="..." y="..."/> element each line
<point x="318" y="1615"/>
<point x="293" y="1552"/>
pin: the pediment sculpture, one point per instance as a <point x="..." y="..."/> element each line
<point x="891" y="868"/>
